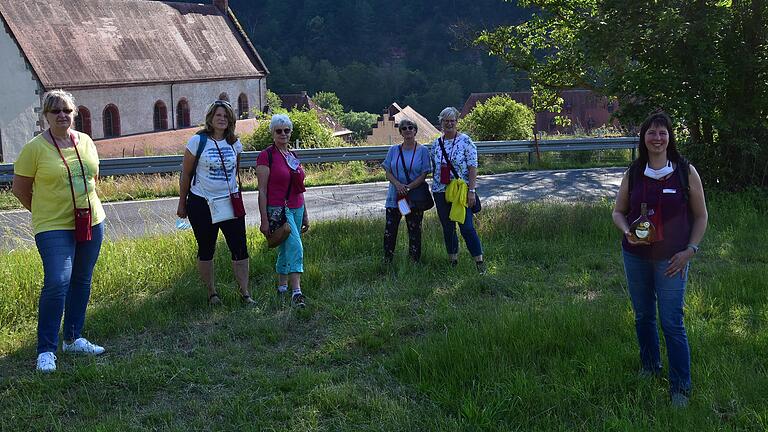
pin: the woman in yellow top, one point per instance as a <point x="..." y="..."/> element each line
<point x="54" y="175"/>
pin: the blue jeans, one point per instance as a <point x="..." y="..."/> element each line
<point x="67" y="270"/>
<point x="648" y="286"/>
<point x="449" y="228"/>
<point x="290" y="256"/>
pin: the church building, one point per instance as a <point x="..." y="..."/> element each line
<point x="133" y="66"/>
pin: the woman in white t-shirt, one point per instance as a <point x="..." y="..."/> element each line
<point x="214" y="175"/>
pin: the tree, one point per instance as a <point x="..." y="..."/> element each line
<point x="498" y="118"/>
<point x="704" y="61"/>
<point x="307" y="130"/>
<point x="329" y="102"/>
<point x="358" y="122"/>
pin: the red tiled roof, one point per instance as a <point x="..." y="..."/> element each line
<point x="159" y="143"/>
<point x="97" y="43"/>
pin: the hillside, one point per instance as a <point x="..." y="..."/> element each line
<point x="372" y="53"/>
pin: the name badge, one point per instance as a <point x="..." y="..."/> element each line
<point x="292" y="162"/>
<point x="669" y="191"/>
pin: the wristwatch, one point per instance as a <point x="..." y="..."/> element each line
<point x="472" y="190"/>
<point x="694" y="247"/>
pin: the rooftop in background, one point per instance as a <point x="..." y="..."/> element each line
<point x="385" y="131"/>
<point x="99" y="43"/>
<point x="171" y="142"/>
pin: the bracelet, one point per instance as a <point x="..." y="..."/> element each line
<point x="693" y="246"/>
<point x="472" y="190"/>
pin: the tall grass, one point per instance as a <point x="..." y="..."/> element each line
<point x="544" y="341"/>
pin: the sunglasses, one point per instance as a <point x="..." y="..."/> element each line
<point x="58" y="111"/>
<point x="283" y="131"/>
<point x="222" y="103"/>
<point x="402" y="128"/>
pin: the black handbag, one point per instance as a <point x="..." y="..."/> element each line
<point x="475" y="208"/>
<point x="419" y="198"/>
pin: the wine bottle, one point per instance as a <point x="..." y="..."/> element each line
<point x="642" y="229"/>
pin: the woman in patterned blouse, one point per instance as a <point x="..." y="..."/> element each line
<point x="451" y="154"/>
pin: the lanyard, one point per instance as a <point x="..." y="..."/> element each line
<point x="453" y="150"/>
<point x="410" y="168"/>
<point x="69" y="173"/>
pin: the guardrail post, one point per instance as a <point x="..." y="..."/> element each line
<point x="633" y="153"/>
<point x="530" y="158"/>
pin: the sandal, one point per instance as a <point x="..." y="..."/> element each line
<point x="214" y="300"/>
<point x="247" y="300"/>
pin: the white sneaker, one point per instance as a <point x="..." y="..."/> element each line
<point x="82" y="346"/>
<point x="46" y="362"/>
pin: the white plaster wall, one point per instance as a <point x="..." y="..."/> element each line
<point x="18" y="119"/>
<point x="136" y="104"/>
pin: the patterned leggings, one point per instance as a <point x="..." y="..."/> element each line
<point x="413" y="222"/>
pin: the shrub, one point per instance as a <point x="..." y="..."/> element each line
<point x="307" y="130"/>
<point x="499" y="118"/>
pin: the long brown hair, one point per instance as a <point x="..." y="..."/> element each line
<point x="229" y="133"/>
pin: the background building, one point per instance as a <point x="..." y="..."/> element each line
<point x="134" y="66"/>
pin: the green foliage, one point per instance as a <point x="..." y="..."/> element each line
<point x="307" y="130"/>
<point x="358" y="122"/>
<point x="340" y="46"/>
<point x="544" y="342"/>
<point x="499" y="118"/>
<point x="704" y="62"/>
<point x="329" y="102"/>
<point x="274" y="102"/>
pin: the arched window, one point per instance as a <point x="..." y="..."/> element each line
<point x="111" y="121"/>
<point x="182" y="114"/>
<point x="242" y="106"/>
<point x="160" y="116"/>
<point x="224" y="96"/>
<point x="83" y="120"/>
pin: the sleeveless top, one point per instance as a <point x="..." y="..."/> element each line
<point x="668" y="211"/>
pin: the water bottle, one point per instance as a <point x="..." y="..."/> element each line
<point x="182" y="224"/>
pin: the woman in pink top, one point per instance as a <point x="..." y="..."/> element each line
<point x="281" y="186"/>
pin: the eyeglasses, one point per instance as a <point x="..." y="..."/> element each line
<point x="222" y="103"/>
<point x="409" y="127"/>
<point x="283" y="131"/>
<point x="59" y="111"/>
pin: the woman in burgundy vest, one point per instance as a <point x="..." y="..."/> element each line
<point x="661" y="211"/>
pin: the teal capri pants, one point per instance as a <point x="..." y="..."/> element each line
<point x="290" y="257"/>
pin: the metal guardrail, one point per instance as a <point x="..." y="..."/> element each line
<point x="168" y="164"/>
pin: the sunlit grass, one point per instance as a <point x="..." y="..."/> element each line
<point x="544" y="341"/>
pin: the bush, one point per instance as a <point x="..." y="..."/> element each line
<point x="307" y="130"/>
<point x="360" y="123"/>
<point x="499" y="118"/>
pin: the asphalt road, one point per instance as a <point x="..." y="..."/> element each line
<point x="139" y="218"/>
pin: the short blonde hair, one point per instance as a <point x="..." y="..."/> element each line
<point x="54" y="98"/>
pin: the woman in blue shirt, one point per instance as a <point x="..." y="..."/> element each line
<point x="407" y="166"/>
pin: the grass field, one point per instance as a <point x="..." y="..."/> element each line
<point x="140" y="187"/>
<point x="545" y="341"/>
